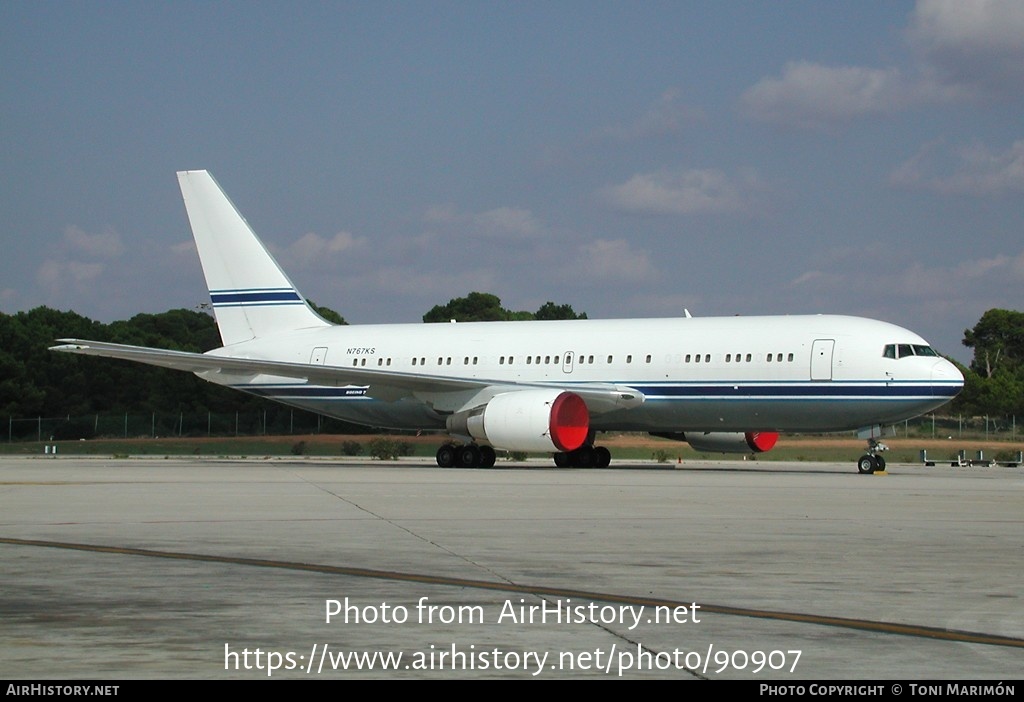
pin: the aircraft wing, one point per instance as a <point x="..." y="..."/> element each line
<point x="445" y="393"/>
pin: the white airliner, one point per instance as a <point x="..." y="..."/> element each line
<point x="719" y="383"/>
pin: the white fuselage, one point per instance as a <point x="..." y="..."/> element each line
<point x="783" y="373"/>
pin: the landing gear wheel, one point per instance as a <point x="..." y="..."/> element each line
<point x="446" y="456"/>
<point x="584" y="457"/>
<point x="867" y="464"/>
<point x="561" y="459"/>
<point x="467" y="456"/>
<point x="603" y="457"/>
<point x="487" y="457"/>
<point x="879" y="463"/>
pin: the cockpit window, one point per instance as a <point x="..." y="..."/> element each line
<point x="904" y="350"/>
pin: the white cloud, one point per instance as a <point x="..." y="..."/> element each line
<point x="812" y="95"/>
<point x="311" y="247"/>
<point x="692" y="191"/>
<point x="970" y="170"/>
<point x="916" y="281"/>
<point x="964" y="48"/>
<point x="106" y="244"/>
<point x="184" y="247"/>
<point x="428" y="285"/>
<point x="668" y="115"/>
<point x="73" y="268"/>
<point x="499" y="222"/>
<point x="977" y="44"/>
<point x="606" y="259"/>
<point x="58" y="277"/>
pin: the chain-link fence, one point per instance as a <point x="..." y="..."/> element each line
<point x="134" y="425"/>
<point x="284" y="421"/>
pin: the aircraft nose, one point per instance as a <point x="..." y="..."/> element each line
<point x="946" y="376"/>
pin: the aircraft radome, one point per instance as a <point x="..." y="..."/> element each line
<point x="719" y="383"/>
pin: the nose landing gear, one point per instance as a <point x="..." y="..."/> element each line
<point x="872" y="461"/>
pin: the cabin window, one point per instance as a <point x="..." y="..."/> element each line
<point x="687" y="358"/>
<point x="355" y="361"/>
<point x="465" y="361"/>
<point x="590" y="359"/>
<point x="648" y="360"/>
<point x="769" y="358"/>
<point x="511" y="359"/>
<point x="924" y="351"/>
<point x="556" y="360"/>
<point x="890" y="351"/>
<point x="529" y="359"/>
<point x="609" y="359"/>
<point x="414" y="361"/>
<point x="474" y="360"/>
<point x="448" y="361"/>
<point x="728" y="357"/>
<point x="380" y="361"/>
<point x="440" y="361"/>
<point x="696" y="358"/>
<point x="790" y="358"/>
<point x="389" y="362"/>
<point x="547" y="360"/>
<point x="629" y="358"/>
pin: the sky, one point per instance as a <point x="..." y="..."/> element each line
<point x="632" y="159"/>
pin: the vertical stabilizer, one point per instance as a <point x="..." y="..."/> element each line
<point x="251" y="295"/>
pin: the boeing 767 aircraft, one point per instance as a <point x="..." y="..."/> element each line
<point x="719" y="383"/>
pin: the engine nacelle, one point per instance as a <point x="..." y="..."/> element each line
<point x="726" y="441"/>
<point x="527" y="420"/>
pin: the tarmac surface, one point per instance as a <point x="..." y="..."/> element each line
<point x="212" y="568"/>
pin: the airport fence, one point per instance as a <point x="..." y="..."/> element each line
<point x="136" y="425"/>
<point x="284" y="421"/>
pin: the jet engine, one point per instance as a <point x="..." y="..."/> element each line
<point x="724" y="441"/>
<point x="527" y="420"/>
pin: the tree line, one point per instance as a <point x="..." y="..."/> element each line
<point x="35" y="382"/>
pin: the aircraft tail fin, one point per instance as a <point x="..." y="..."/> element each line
<point x="252" y="297"/>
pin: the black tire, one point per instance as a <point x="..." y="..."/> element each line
<point x="603" y="456"/>
<point x="867" y="464"/>
<point x="468" y="456"/>
<point x="487" y="457"/>
<point x="446" y="456"/>
<point x="879" y="463"/>
<point x="561" y="459"/>
<point x="584" y="457"/>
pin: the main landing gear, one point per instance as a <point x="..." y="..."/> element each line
<point x="474" y="456"/>
<point x="584" y="457"/>
<point x="466" y="456"/>
<point x="872" y="461"/>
